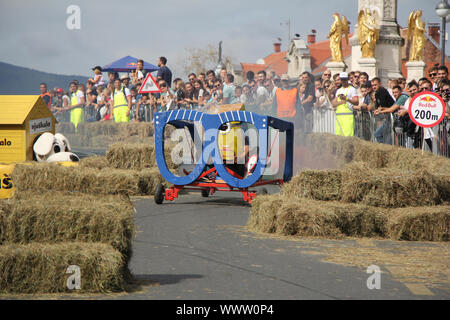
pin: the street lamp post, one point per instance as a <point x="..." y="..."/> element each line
<point x="442" y="10"/>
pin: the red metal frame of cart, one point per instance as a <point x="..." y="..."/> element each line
<point x="209" y="182"/>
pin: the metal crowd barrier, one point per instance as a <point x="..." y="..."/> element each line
<point x="365" y="125"/>
<point x="90" y="114"/>
<point x="380" y="128"/>
<point x="369" y="127"/>
<point x="324" y="120"/>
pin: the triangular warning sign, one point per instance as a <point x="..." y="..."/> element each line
<point x="149" y="85"/>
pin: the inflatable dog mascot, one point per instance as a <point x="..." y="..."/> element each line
<point x="53" y="148"/>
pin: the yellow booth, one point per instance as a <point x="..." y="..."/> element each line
<point x="22" y="120"/>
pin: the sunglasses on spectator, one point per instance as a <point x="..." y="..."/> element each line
<point x="433" y="75"/>
<point x="191" y="79"/>
<point x="217" y="86"/>
<point x="163" y="85"/>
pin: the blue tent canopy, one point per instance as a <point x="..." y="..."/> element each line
<point x="126" y="64"/>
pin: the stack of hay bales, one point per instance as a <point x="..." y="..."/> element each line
<point x="305" y="217"/>
<point x="136" y="156"/>
<point x="103" y="134"/>
<point x="78" y="215"/>
<point x="42" y="234"/>
<point x="128" y="169"/>
<point x="359" y="183"/>
<point x="375" y="155"/>
<point x="47" y="176"/>
<point x="131" y="156"/>
<point x="382" y="191"/>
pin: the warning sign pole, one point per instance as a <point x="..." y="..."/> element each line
<point x="426" y="110"/>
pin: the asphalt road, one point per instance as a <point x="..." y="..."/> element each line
<point x="197" y="248"/>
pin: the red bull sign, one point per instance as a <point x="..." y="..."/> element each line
<point x="427" y="109"/>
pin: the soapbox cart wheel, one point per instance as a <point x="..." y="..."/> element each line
<point x="160" y="194"/>
<point x="205" y="193"/>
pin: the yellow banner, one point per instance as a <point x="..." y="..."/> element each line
<point x="6" y="185"/>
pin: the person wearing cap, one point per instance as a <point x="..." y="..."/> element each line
<point x="277" y="81"/>
<point x="98" y="79"/>
<point x="286" y="101"/>
<point x="57" y="104"/>
<point x="126" y="81"/>
<point x="120" y="102"/>
<point x="346" y="98"/>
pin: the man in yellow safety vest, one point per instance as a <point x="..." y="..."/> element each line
<point x="77" y="101"/>
<point x="121" y="102"/>
<point x="346" y="98"/>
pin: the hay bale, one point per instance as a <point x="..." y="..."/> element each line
<point x="62" y="217"/>
<point x="92" y="129"/>
<point x="315" y="184"/>
<point x="140" y="129"/>
<point x="149" y="179"/>
<point x="348" y="149"/>
<point x="392" y="187"/>
<point x="77" y="140"/>
<point x="359" y="183"/>
<point x="105" y="133"/>
<point x="41" y="268"/>
<point x="65" y="128"/>
<point x="107" y="141"/>
<point x="95" y="162"/>
<point x="263" y="213"/>
<point x="420" y="224"/>
<point x="306" y="217"/>
<point x="375" y="155"/>
<point x="110" y="128"/>
<point x="413" y="160"/>
<point x="342" y="149"/>
<point x="4" y="208"/>
<point x="48" y="176"/>
<point x="135" y="156"/>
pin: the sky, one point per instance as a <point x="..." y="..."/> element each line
<point x="34" y="34"/>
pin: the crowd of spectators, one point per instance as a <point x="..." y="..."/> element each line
<point x="394" y="99"/>
<point x="258" y="92"/>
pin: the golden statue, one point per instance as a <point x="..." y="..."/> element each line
<point x="416" y="31"/>
<point x="368" y="32"/>
<point x="339" y="28"/>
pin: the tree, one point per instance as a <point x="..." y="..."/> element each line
<point x="199" y="60"/>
